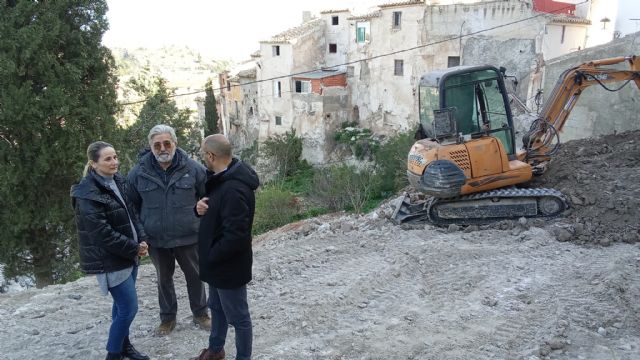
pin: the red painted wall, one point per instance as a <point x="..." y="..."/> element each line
<point x="550" y="6"/>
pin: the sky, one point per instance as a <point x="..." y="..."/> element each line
<point x="226" y="29"/>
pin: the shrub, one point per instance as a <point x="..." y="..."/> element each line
<point x="284" y="151"/>
<point x="343" y="187"/>
<point x="390" y="160"/>
<point x="274" y="207"/>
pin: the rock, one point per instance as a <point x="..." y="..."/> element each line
<point x="562" y="234"/>
<point x="605" y="241"/>
<point x="522" y="221"/>
<point x="630" y="237"/>
<point x="578" y="228"/>
<point x="75" y="296"/>
<point x="602" y="331"/>
<point x="346" y="227"/>
<point x="453" y="228"/>
<point x="557" y="343"/>
<point x="545" y="350"/>
<point x="471" y="228"/>
<point x="575" y="200"/>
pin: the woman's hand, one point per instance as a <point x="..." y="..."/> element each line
<point x="143" y="249"/>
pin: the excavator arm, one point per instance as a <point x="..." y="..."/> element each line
<point x="543" y="134"/>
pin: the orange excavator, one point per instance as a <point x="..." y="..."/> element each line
<point x="465" y="159"/>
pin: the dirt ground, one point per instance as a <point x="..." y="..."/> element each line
<point x="358" y="287"/>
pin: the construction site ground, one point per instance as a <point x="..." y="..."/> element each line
<point x="359" y="287"/>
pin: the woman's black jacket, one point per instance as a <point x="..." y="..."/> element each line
<point x="105" y="235"/>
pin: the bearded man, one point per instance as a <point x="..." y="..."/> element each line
<point x="164" y="187"/>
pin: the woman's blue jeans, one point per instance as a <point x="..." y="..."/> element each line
<point x="125" y="307"/>
<point x="229" y="306"/>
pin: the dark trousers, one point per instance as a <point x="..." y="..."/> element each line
<point x="229" y="306"/>
<point x="164" y="261"/>
<point x="123" y="311"/>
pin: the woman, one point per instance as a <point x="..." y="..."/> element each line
<point x="111" y="241"/>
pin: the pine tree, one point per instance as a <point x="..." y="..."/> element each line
<point x="210" y="111"/>
<point x="57" y="96"/>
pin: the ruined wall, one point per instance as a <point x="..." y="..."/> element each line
<point x="598" y="111"/>
<point x="518" y="56"/>
<point x="318" y="117"/>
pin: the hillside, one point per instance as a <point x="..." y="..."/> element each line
<point x="181" y="66"/>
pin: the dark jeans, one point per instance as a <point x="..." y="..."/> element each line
<point x="123" y="311"/>
<point x="164" y="261"/>
<point x="229" y="306"/>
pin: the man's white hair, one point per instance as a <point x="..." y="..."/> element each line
<point x="162" y="129"/>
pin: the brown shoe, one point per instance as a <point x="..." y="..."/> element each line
<point x="207" y="354"/>
<point x="166" y="327"/>
<point x="203" y="321"/>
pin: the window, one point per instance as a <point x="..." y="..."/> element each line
<point x="333" y="48"/>
<point x="453" y="61"/>
<point x="334" y="20"/>
<point x="303" y="87"/>
<point x="237" y="111"/>
<point x="275" y="49"/>
<point x="398" y="67"/>
<point x="228" y="86"/>
<point x="278" y="120"/>
<point x="564" y="28"/>
<point x="362" y="32"/>
<point x="397" y="18"/>
<point x="277" y="89"/>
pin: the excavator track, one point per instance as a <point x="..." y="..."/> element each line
<point x="484" y="207"/>
<point x="496" y="205"/>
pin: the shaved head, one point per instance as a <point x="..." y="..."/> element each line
<point x="217" y="144"/>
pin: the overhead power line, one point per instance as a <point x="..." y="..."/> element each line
<point x="455" y="37"/>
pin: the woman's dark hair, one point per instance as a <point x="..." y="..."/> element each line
<point x="93" y="154"/>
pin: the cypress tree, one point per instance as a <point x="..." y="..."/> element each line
<point x="57" y="96"/>
<point x="210" y="111"/>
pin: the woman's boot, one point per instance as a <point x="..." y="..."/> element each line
<point x="128" y="351"/>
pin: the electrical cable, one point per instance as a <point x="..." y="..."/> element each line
<point x="457" y="37"/>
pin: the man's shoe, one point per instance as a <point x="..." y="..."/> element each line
<point x="130" y="352"/>
<point x="207" y="354"/>
<point x="203" y="321"/>
<point x="166" y="327"/>
<point x="112" y="356"/>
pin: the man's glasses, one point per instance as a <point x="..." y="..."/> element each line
<point x="160" y="144"/>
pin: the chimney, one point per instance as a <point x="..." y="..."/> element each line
<point x="306" y="16"/>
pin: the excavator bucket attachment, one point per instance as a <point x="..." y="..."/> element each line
<point x="406" y="211"/>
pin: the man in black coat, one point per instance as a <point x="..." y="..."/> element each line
<point x="224" y="242"/>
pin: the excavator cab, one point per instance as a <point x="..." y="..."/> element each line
<point x="465" y="102"/>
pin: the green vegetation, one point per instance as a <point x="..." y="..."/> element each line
<point x="360" y="140"/>
<point x="210" y="111"/>
<point x="308" y="191"/>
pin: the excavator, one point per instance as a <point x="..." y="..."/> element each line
<point x="465" y="160"/>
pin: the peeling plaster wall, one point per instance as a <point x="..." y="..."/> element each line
<point x="336" y="34"/>
<point x="599" y="112"/>
<point x="319" y="116"/>
<point x="518" y="56"/>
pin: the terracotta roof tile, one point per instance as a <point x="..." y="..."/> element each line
<point x="402" y="3"/>
<point x="295" y="32"/>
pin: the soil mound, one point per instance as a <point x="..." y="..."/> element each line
<point x="601" y="178"/>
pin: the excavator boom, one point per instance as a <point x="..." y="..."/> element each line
<point x="564" y="97"/>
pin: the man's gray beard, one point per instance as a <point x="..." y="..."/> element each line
<point x="164" y="158"/>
